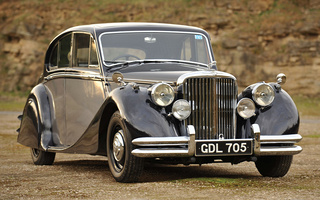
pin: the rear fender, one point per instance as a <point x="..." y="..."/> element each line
<point x="36" y="124"/>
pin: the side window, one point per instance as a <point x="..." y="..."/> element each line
<point x="64" y="54"/>
<point x="81" y="56"/>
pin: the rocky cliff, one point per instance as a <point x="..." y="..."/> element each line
<point x="254" y="40"/>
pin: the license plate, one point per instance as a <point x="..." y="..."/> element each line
<point x="223" y="147"/>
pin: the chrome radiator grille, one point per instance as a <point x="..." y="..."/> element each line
<point x="213" y="104"/>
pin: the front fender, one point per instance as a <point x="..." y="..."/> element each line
<point x="142" y="117"/>
<point x="280" y="118"/>
<point x="36" y="124"/>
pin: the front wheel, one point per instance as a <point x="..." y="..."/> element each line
<point x="41" y="157"/>
<point x="123" y="165"/>
<point x="274" y="166"/>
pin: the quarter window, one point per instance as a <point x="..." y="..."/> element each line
<point x="61" y="53"/>
<point x="93" y="54"/>
<point x="54" y="57"/>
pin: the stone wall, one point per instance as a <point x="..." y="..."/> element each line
<point x="254" y="40"/>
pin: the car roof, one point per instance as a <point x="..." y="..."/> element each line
<point x="97" y="29"/>
<point x="135" y="26"/>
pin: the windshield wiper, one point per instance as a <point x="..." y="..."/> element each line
<point x="125" y="64"/>
<point x="113" y="62"/>
<point x="184" y="62"/>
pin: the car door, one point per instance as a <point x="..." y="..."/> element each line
<point x="84" y="91"/>
<point x="59" y="62"/>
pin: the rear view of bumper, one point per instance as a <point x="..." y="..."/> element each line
<point x="183" y="146"/>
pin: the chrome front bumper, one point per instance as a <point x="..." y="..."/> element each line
<point x="183" y="146"/>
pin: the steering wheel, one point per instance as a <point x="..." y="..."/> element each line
<point x="126" y="56"/>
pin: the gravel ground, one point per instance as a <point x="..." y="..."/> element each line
<point x="88" y="177"/>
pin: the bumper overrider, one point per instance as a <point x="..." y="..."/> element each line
<point x="187" y="146"/>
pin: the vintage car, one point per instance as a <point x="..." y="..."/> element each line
<point x="138" y="92"/>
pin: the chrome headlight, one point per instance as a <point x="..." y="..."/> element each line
<point x="162" y="94"/>
<point x="263" y="94"/>
<point x="246" y="108"/>
<point x="181" y="109"/>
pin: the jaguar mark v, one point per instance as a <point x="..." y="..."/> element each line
<point x="136" y="92"/>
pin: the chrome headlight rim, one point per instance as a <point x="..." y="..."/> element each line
<point x="257" y="95"/>
<point x="167" y="96"/>
<point x="244" y="113"/>
<point x="181" y="109"/>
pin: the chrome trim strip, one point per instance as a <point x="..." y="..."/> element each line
<point x="160" y="141"/>
<point x="149" y="153"/>
<point x="92" y="76"/>
<point x="277" y="151"/>
<point x="204" y="74"/>
<point x="292" y="138"/>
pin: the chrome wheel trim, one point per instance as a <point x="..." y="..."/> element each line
<point x="118" y="146"/>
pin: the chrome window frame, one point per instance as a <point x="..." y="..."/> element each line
<point x="157" y="31"/>
<point x="92" y="39"/>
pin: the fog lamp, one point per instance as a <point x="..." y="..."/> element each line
<point x="181" y="109"/>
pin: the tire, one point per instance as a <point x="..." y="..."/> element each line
<point x="41" y="157"/>
<point x="123" y="165"/>
<point x="274" y="166"/>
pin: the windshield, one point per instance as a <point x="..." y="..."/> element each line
<point x="129" y="46"/>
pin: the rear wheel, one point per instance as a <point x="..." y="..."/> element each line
<point x="123" y="165"/>
<point x="274" y="166"/>
<point x="41" y="157"/>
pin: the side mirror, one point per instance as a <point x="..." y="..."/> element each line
<point x="117" y="77"/>
<point x="281" y="78"/>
